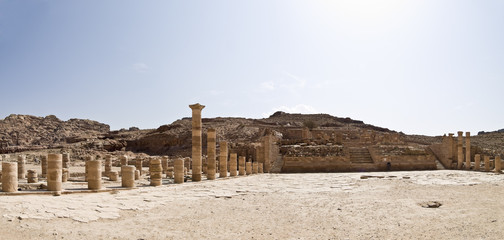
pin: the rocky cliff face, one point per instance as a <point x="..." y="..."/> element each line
<point x="20" y="132"/>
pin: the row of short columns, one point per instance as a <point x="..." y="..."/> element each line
<point x="477" y="157"/>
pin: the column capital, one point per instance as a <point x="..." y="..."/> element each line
<point x="197" y="106"/>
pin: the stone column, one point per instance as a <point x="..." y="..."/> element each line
<point x="241" y="165"/>
<point x="260" y="170"/>
<point x="86" y="167"/>
<point x="164" y="163"/>
<point x="32" y="176"/>
<point x="255" y="168"/>
<point x="233" y="157"/>
<point x="497" y="164"/>
<point x="138" y="165"/>
<point x="223" y="156"/>
<point x="128" y="176"/>
<point x="64" y="175"/>
<point x="468" y="151"/>
<point x="21" y="167"/>
<point x="178" y="168"/>
<point x="460" y="155"/>
<point x="54" y="172"/>
<point x="113" y="176"/>
<point x="137" y="174"/>
<point x="124" y="160"/>
<point x="248" y="168"/>
<point x="196" y="141"/>
<point x="108" y="164"/>
<point x="94" y="174"/>
<point x="477" y="162"/>
<point x="43" y="162"/>
<point x="487" y="163"/>
<point x="169" y="172"/>
<point x="66" y="160"/>
<point x="267" y="152"/>
<point x="9" y="176"/>
<point x="211" y="149"/>
<point x="156" y="172"/>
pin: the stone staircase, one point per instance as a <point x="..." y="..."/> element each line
<point x="360" y="155"/>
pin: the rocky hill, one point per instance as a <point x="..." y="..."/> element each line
<point x="24" y="132"/>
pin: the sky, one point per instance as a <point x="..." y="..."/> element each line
<point x="421" y="67"/>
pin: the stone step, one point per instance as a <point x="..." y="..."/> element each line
<point x="360" y="155"/>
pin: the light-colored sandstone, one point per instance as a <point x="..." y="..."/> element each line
<point x="196" y="141"/>
<point x="21" y="167"/>
<point x="94" y="175"/>
<point x="248" y="168"/>
<point x="477" y="162"/>
<point x="156" y="172"/>
<point x="128" y="176"/>
<point x="211" y="150"/>
<point x="241" y="165"/>
<point x="32" y="176"/>
<point x="54" y="172"/>
<point x="9" y="176"/>
<point x="255" y="168"/>
<point x="487" y="163"/>
<point x="178" y="168"/>
<point x="460" y="153"/>
<point x="223" y="159"/>
<point x="497" y="164"/>
<point x="233" y="158"/>
<point x="468" y="151"/>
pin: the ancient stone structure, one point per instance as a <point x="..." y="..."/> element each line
<point x="164" y="163"/>
<point x="211" y="151"/>
<point x="233" y="158"/>
<point x="223" y="156"/>
<point x="156" y="172"/>
<point x="108" y="164"/>
<point x="241" y="165"/>
<point x="196" y="141"/>
<point x="178" y="168"/>
<point x="21" y="167"/>
<point x="32" y="176"/>
<point x="169" y="172"/>
<point x="487" y="163"/>
<point x="260" y="166"/>
<point x="497" y="164"/>
<point x="66" y="160"/>
<point x="94" y="175"/>
<point x="65" y="174"/>
<point x="138" y="165"/>
<point x="477" y="162"/>
<point x="468" y="151"/>
<point x="43" y="163"/>
<point x="113" y="176"/>
<point x="248" y="168"/>
<point x="268" y="152"/>
<point x="54" y="172"/>
<point x="137" y="174"/>
<point x="124" y="160"/>
<point x="255" y="168"/>
<point x="460" y="155"/>
<point x="128" y="176"/>
<point x="9" y="176"/>
<point x="86" y="167"/>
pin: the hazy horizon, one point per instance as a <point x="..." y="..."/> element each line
<point x="418" y="67"/>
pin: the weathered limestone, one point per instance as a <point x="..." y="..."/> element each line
<point x="248" y="168"/>
<point x="66" y="160"/>
<point x="32" y="176"/>
<point x="156" y="172"/>
<point x="64" y="174"/>
<point x="196" y="141"/>
<point x="138" y="165"/>
<point x="178" y="168"/>
<point x="9" y="176"/>
<point x="460" y="155"/>
<point x="233" y="157"/>
<point x="223" y="156"/>
<point x="108" y="164"/>
<point x="113" y="176"/>
<point x="124" y="160"/>
<point x="477" y="162"/>
<point x="487" y="163"/>
<point x="21" y="167"/>
<point x="211" y="150"/>
<point x="128" y="176"/>
<point x="94" y="175"/>
<point x="43" y="163"/>
<point x="255" y="168"/>
<point x="54" y="172"/>
<point x="497" y="164"/>
<point x="468" y="151"/>
<point x="241" y="165"/>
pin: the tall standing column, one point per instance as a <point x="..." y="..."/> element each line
<point x="43" y="162"/>
<point x="477" y="162"/>
<point x="164" y="163"/>
<point x="178" y="168"/>
<point x="108" y="164"/>
<point x="241" y="165"/>
<point x="460" y="155"/>
<point x="66" y="160"/>
<point x="468" y="151"/>
<point x="21" y="167"/>
<point x="223" y="156"/>
<point x="138" y="165"/>
<point x="233" y="157"/>
<point x="211" y="143"/>
<point x="260" y="168"/>
<point x="497" y="164"/>
<point x="248" y="168"/>
<point x="487" y="163"/>
<point x="196" y="141"/>
<point x="267" y="152"/>
<point x="9" y="176"/>
<point x="54" y="172"/>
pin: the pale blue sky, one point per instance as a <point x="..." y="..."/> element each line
<point x="421" y="67"/>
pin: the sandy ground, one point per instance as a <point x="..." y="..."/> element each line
<point x="272" y="206"/>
